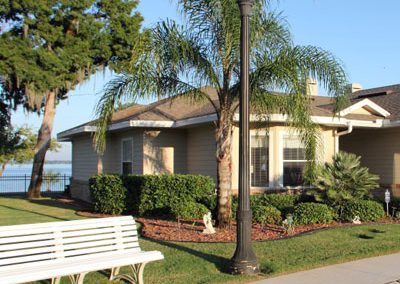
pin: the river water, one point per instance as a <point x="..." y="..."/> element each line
<point x="16" y="178"/>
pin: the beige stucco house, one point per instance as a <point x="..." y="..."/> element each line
<point x="177" y="136"/>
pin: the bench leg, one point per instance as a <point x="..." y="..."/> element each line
<point x="55" y="280"/>
<point x="114" y="273"/>
<point x="135" y="278"/>
<point x="78" y="278"/>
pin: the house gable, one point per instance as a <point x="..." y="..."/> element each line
<point x="365" y="107"/>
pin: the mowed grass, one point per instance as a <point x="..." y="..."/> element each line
<point x="17" y="210"/>
<point x="209" y="263"/>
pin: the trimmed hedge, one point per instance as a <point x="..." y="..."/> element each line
<point x="108" y="194"/>
<point x="157" y="194"/>
<point x="312" y="213"/>
<point x="153" y="195"/>
<point x="283" y="202"/>
<point x="367" y="210"/>
<point x="267" y="214"/>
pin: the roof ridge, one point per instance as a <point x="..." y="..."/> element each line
<point x="371" y="90"/>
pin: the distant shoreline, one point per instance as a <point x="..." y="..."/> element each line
<point x="58" y="162"/>
<point x="52" y="162"/>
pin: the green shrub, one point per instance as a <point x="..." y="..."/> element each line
<point x="367" y="210"/>
<point x="189" y="210"/>
<point x="266" y="214"/>
<point x="255" y="201"/>
<point x="312" y="213"/>
<point x="283" y="202"/>
<point x="343" y="180"/>
<point x="151" y="195"/>
<point x="108" y="194"/>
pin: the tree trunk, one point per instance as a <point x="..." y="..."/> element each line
<point x="3" y="168"/>
<point x="42" y="145"/>
<point x="99" y="164"/>
<point x="224" y="170"/>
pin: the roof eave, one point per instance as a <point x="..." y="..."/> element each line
<point x="67" y="135"/>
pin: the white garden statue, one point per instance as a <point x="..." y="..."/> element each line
<point x="356" y="220"/>
<point x="208" y="223"/>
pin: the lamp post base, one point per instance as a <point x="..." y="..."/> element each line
<point x="245" y="267"/>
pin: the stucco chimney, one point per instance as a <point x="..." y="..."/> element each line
<point x="312" y="87"/>
<point x="354" y="87"/>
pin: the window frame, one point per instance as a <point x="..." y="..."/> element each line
<point x="122" y="155"/>
<point x="265" y="135"/>
<point x="268" y="136"/>
<point x="282" y="158"/>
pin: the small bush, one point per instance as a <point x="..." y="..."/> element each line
<point x="189" y="210"/>
<point x="108" y="194"/>
<point x="267" y="215"/>
<point x="313" y="213"/>
<point x="367" y="210"/>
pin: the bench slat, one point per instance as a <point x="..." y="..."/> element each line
<point x="70" y="253"/>
<point x="108" y="220"/>
<point x="50" y="234"/>
<point x="65" y="228"/>
<point x="74" y="246"/>
<point x="33" y="241"/>
<point x="68" y="267"/>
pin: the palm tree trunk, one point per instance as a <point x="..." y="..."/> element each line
<point x="3" y="168"/>
<point x="42" y="145"/>
<point x="224" y="170"/>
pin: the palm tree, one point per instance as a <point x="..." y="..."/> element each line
<point x="205" y="51"/>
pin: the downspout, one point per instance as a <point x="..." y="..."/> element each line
<point x="344" y="132"/>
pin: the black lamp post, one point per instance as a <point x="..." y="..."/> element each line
<point x="244" y="260"/>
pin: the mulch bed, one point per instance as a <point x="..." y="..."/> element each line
<point x="192" y="231"/>
<point x="185" y="231"/>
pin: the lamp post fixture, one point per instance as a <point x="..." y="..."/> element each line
<point x="244" y="261"/>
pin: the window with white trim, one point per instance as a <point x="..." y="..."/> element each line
<point x="259" y="160"/>
<point x="294" y="160"/>
<point x="127" y="156"/>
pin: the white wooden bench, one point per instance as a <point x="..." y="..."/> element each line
<point x="72" y="248"/>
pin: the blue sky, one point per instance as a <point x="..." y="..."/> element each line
<point x="363" y="34"/>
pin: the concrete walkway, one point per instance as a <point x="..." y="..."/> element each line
<point x="375" y="270"/>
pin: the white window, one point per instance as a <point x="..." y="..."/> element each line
<point x="259" y="160"/>
<point x="294" y="160"/>
<point x="127" y="156"/>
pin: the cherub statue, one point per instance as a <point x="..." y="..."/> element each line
<point x="356" y="220"/>
<point x="208" y="223"/>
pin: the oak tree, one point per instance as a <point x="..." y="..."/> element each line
<point x="48" y="47"/>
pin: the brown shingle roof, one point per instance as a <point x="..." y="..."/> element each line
<point x="180" y="107"/>
<point x="387" y="97"/>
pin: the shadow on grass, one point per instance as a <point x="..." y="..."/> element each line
<point x="221" y="263"/>
<point x="365" y="237"/>
<point x="34" y="212"/>
<point x="45" y="202"/>
<point x="376" y="231"/>
<point x="58" y="204"/>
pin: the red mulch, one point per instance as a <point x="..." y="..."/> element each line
<point x="188" y="231"/>
<point x="192" y="231"/>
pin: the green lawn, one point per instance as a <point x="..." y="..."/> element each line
<point x="207" y="263"/>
